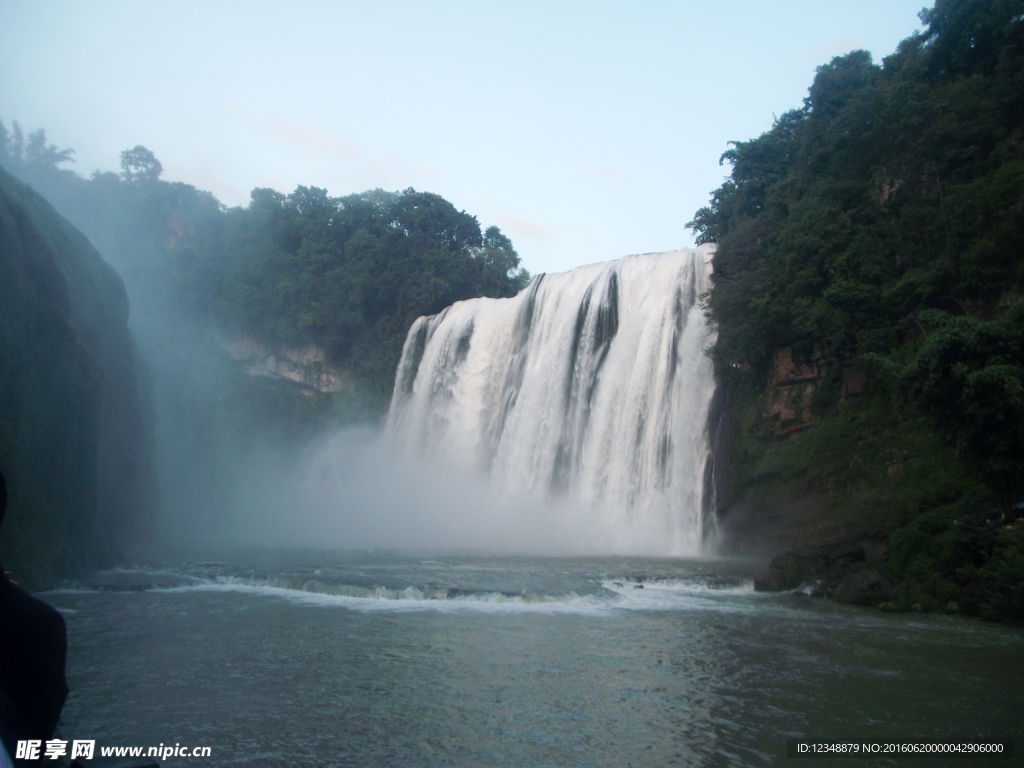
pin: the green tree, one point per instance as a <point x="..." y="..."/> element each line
<point x="501" y="273"/>
<point x="348" y="273"/>
<point x="885" y="220"/>
<point x="43" y="155"/>
<point x="31" y="154"/>
<point x="138" y="164"/>
<point x="969" y="376"/>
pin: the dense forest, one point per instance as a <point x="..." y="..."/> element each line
<point x="881" y="226"/>
<point x="349" y="274"/>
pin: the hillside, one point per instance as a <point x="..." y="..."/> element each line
<point x="867" y="295"/>
<point x="305" y="274"/>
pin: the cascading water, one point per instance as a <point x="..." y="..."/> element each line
<point x="590" y="387"/>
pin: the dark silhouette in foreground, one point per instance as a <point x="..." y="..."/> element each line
<point x="33" y="644"/>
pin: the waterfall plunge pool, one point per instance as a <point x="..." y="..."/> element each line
<point x="298" y="658"/>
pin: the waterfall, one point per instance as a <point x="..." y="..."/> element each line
<point x="590" y="387"/>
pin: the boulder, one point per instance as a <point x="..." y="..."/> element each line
<point x="790" y="570"/>
<point x="863" y="588"/>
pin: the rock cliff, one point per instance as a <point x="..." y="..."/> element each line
<point x="787" y="403"/>
<point x="75" y="415"/>
<point x="306" y="366"/>
<point x="846" y="494"/>
<point x="767" y="501"/>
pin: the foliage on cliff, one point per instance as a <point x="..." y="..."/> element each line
<point x="347" y="273"/>
<point x="884" y="220"/>
<point x="350" y="274"/>
<point x="881" y="225"/>
<point x="869" y="474"/>
<point x="894" y="189"/>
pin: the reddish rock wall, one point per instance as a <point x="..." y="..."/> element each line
<point x="786" y="406"/>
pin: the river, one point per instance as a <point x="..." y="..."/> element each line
<point x="318" y="658"/>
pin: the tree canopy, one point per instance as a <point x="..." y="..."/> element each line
<point x="884" y="220"/>
<point x="348" y="273"/>
<point x="140" y="165"/>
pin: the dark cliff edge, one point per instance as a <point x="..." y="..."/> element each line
<point x="844" y="496"/>
<point x="76" y="421"/>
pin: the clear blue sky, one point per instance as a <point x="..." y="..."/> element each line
<point x="585" y="130"/>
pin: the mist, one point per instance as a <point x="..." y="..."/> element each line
<point x="231" y="474"/>
<point x="386" y="406"/>
<point x="201" y="278"/>
<point x="355" y="489"/>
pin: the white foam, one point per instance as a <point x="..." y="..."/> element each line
<point x="413" y="599"/>
<point x="591" y="386"/>
<point x="619" y="595"/>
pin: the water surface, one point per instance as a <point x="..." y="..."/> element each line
<point x="377" y="659"/>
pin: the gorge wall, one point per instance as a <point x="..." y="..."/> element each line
<point x="306" y="366"/>
<point x="76" y="424"/>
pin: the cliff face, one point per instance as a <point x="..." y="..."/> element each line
<point x="853" y="495"/>
<point x="75" y="417"/>
<point x="783" y="475"/>
<point x="787" y="405"/>
<point x="306" y="366"/>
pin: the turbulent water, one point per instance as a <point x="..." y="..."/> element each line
<point x="590" y="386"/>
<point x="292" y="659"/>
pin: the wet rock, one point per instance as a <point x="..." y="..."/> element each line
<point x="76" y="415"/>
<point x="788" y="571"/>
<point x="848" y="556"/>
<point x="863" y="588"/>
